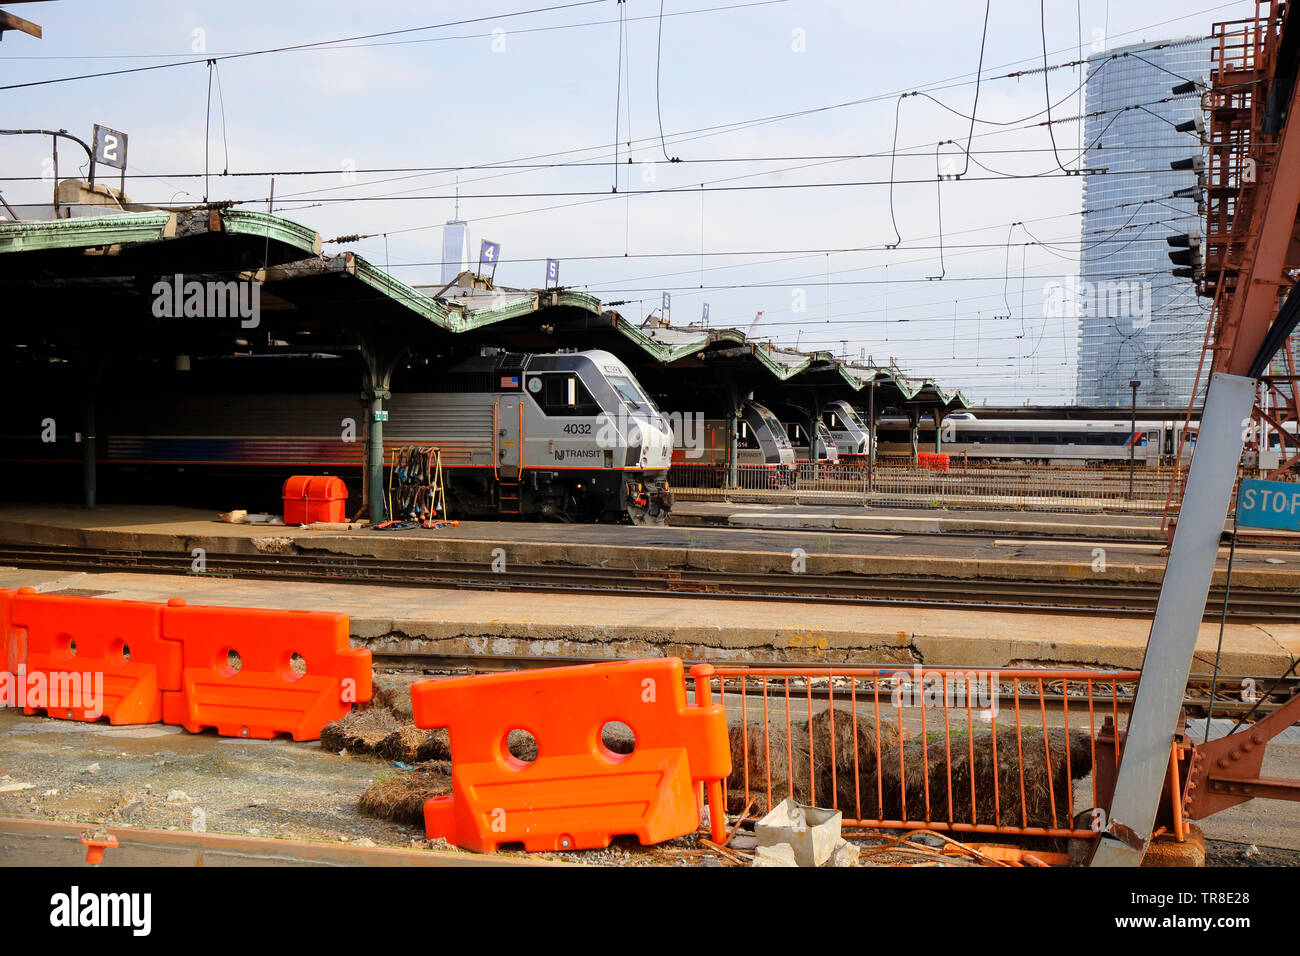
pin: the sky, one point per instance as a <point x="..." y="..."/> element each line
<point x="785" y="115"/>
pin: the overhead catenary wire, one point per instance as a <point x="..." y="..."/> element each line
<point x="659" y="53"/>
<point x="299" y="46"/>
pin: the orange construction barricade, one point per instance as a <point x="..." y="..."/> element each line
<point x="251" y="672"/>
<point x="576" y="793"/>
<point x="13" y="639"/>
<point x="88" y="658"/>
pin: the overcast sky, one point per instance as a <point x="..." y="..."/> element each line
<point x="508" y="88"/>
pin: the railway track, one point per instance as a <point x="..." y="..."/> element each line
<point x="1124" y="600"/>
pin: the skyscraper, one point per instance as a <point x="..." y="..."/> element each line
<point x="1137" y="321"/>
<point x="455" y="249"/>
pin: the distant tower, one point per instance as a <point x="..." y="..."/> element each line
<point x="455" y="245"/>
<point x="1125" y="215"/>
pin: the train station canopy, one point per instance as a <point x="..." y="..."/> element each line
<point x="90" y="285"/>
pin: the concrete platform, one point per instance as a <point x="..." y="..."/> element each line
<point x="454" y="621"/>
<point x="1134" y="527"/>
<point x="949" y="554"/>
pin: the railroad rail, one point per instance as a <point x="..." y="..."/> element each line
<point x="1116" y="600"/>
<point x="31" y="842"/>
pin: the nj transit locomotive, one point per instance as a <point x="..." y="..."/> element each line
<point x="570" y="436"/>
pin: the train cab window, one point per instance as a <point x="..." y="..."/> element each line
<point x="561" y="393"/>
<point x="628" y="391"/>
<point x="831" y="421"/>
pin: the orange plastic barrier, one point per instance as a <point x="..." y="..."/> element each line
<point x="13" y="639"/>
<point x="577" y="793"/>
<point x="936" y="461"/>
<point x="87" y="658"/>
<point x="239" y="672"/>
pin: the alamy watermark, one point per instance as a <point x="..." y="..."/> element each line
<point x="1075" y="298"/>
<point x="54" y="690"/>
<point x="976" y="691"/>
<point x="177" y="298"/>
<point x="687" y="429"/>
<point x="74" y="909"/>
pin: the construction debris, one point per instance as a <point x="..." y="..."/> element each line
<point x="780" y="854"/>
<point x="811" y="832"/>
<point x="846" y="854"/>
<point x="387" y="734"/>
<point x="400" y="796"/>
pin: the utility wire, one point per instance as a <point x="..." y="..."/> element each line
<point x="659" y="51"/>
<point x="300" y="46"/>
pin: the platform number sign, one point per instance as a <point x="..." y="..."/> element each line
<point x="704" y="314"/>
<point x="488" y="254"/>
<point x="110" y="147"/>
<point x="667" y="309"/>
<point x="552" y="272"/>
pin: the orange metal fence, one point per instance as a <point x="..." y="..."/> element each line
<point x="976" y="751"/>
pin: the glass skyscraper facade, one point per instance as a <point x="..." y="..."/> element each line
<point x="1137" y="322"/>
<point x="455" y="249"/>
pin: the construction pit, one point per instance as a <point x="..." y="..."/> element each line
<point x="361" y="788"/>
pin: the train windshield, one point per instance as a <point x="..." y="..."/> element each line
<point x="846" y="413"/>
<point x="774" y="426"/>
<point x="628" y="391"/>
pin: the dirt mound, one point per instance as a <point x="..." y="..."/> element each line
<point x="400" y="797"/>
<point x="385" y="734"/>
<point x="791" y="769"/>
<point x="360" y="732"/>
<point x="991" y="772"/>
<point x="816" y="762"/>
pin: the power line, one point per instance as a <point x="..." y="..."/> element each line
<point x="671" y="190"/>
<point x="346" y="45"/>
<point x="299" y="46"/>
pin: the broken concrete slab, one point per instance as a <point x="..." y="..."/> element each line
<point x="812" y="832"/>
<point x="846" y="854"/>
<point x="778" y="854"/>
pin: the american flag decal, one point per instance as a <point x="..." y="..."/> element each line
<point x="509" y="381"/>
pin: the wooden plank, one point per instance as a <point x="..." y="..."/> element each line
<point x="10" y="22"/>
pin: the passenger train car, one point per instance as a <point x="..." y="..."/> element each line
<point x="827" y="450"/>
<point x="569" y="435"/>
<point x="761" y="441"/>
<point x="847" y="429"/>
<point x="1049" y="442"/>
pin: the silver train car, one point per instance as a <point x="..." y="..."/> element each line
<point x="1049" y="442"/>
<point x="827" y="450"/>
<point x="569" y="436"/>
<point x="763" y="440"/>
<point x="847" y="429"/>
<point x="760" y="440"/>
